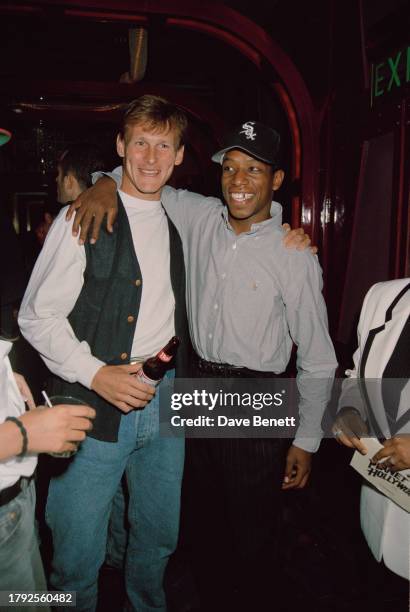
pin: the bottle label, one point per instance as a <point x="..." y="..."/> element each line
<point x="145" y="379"/>
<point x="164" y="357"/>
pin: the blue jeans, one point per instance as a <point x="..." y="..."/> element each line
<point x="79" y="506"/>
<point x="21" y="568"/>
<point x="117" y="539"/>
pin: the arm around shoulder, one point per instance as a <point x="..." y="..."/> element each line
<point x="93" y="204"/>
<point x="185" y="208"/>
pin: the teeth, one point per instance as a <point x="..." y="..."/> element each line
<point x="241" y="197"/>
<point x="150" y="172"/>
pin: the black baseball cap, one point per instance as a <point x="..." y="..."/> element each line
<point x="255" y="138"/>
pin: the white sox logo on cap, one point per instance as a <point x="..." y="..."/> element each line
<point x="248" y="130"/>
<point x="255" y="138"/>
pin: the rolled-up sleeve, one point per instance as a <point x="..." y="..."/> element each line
<point x="51" y="294"/>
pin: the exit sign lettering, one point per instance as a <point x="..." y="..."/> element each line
<point x="390" y="74"/>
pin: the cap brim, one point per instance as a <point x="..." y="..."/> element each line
<point x="218" y="157"/>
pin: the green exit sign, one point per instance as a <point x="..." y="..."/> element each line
<point x="389" y="75"/>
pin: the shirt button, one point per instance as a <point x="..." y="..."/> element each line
<point x="234" y="246"/>
<point x="138" y="282"/>
<point x="130" y="319"/>
<point x="209" y="336"/>
<point x="216" y="306"/>
<point x="124" y="356"/>
<point x="223" y="275"/>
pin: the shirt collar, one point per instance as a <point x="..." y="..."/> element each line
<point x="274" y="221"/>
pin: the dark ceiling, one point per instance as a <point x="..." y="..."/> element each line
<point x="51" y="47"/>
<point x="60" y="74"/>
<point x="61" y="79"/>
<point x="46" y="46"/>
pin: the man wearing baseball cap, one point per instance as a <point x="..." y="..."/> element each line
<point x="255" y="138"/>
<point x="249" y="299"/>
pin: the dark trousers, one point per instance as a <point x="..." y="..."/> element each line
<point x="232" y="519"/>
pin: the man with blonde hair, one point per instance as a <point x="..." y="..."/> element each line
<point x="89" y="313"/>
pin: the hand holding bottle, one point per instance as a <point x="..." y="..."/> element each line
<point x="126" y="392"/>
<point x="154" y="368"/>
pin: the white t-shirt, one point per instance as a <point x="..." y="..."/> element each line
<point x="150" y="235"/>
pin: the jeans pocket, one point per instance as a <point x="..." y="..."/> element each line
<point x="10" y="517"/>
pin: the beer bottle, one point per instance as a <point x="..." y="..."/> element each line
<point x="154" y="368"/>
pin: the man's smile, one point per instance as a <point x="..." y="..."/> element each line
<point x="240" y="196"/>
<point x="147" y="172"/>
